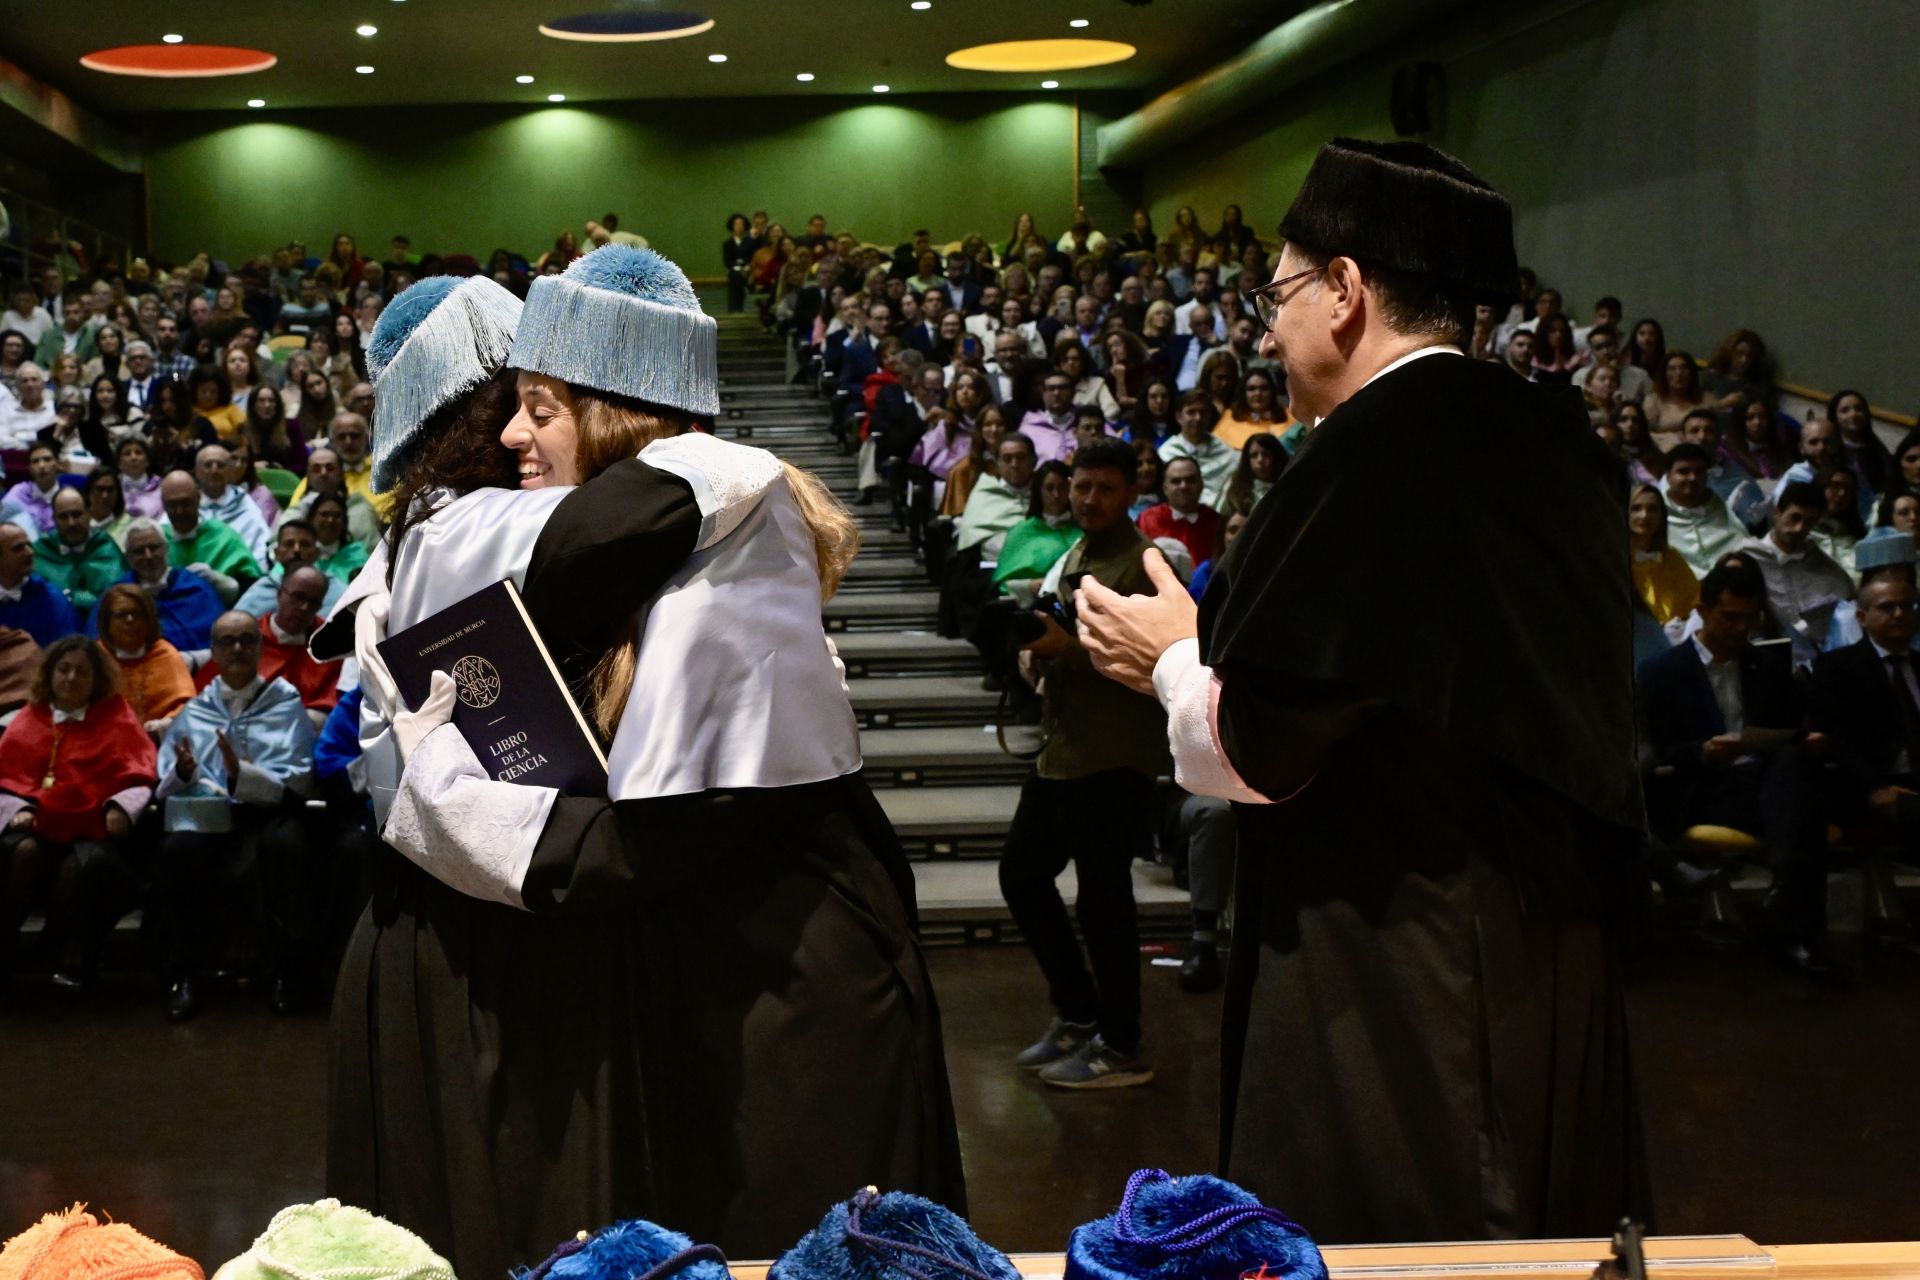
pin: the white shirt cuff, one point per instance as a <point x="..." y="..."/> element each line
<point x="1186" y="689"/>
<point x="467" y="831"/>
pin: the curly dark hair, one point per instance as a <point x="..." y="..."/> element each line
<point x="459" y="449"/>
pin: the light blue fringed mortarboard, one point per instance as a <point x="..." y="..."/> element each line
<point x="895" y="1236"/>
<point x="625" y="321"/>
<point x="1883" y="547"/>
<point x="632" y="1250"/>
<point x="1195" y="1228"/>
<point x="437" y="340"/>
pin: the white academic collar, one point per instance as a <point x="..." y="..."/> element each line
<point x="1706" y="655"/>
<point x="1437" y="349"/>
<point x="67" y="717"/>
<point x="295" y="638"/>
<point x="1186" y="517"/>
<point x="13" y="595"/>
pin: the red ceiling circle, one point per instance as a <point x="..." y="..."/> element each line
<point x="174" y="61"/>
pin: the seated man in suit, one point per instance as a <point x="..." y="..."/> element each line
<point x="295" y="546"/>
<point x="1804" y="583"/>
<point x="28" y="602"/>
<point x="186" y="602"/>
<point x="234" y="770"/>
<point x="1726" y="717"/>
<point x="1866" y="699"/>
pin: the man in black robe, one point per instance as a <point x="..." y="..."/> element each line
<point x="1429" y="743"/>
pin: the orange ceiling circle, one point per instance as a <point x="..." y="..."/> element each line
<point x="1040" y="55"/>
<point x="178" y="61"/>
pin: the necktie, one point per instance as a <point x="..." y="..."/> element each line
<point x="1903" y="702"/>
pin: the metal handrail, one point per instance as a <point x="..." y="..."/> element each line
<point x="36" y="224"/>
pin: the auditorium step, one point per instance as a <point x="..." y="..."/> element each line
<point x="882" y="611"/>
<point x="951" y="822"/>
<point x="901" y="653"/>
<point x="953" y="756"/>
<point x="907" y="701"/>
<point x="960" y="902"/>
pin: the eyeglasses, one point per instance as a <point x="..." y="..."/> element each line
<point x="1266" y="300"/>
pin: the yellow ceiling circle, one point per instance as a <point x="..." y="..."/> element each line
<point x="1040" y="55"/>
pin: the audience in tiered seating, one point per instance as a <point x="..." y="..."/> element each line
<point x="181" y="439"/>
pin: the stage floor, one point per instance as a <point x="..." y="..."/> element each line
<point x="1775" y="1107"/>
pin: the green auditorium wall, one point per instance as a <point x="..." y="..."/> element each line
<point x="475" y="179"/>
<point x="1715" y="163"/>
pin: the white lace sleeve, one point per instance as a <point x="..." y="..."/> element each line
<point x="461" y="827"/>
<point x="728" y="479"/>
<point x="1200" y="765"/>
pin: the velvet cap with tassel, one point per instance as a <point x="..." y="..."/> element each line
<point x="624" y="321"/>
<point x="329" y="1239"/>
<point x="1193" y="1228"/>
<point x="436" y="341"/>
<point x="75" y="1245"/>
<point x="631" y="1250"/>
<point x="896" y="1236"/>
<point x="1410" y="207"/>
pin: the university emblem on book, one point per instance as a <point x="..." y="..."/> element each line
<point x="476" y="682"/>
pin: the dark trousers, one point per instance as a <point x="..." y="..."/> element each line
<point x="1775" y="796"/>
<point x="85" y="887"/>
<point x="1096" y="824"/>
<point x="263" y="877"/>
<point x="736" y="291"/>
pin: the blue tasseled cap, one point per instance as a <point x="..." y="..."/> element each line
<point x="895" y="1236"/>
<point x="1883" y="547"/>
<point x="1194" y="1228"/>
<point x="626" y="321"/>
<point x="435" y="342"/>
<point x="632" y="1250"/>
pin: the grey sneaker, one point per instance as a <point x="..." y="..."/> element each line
<point x="1098" y="1065"/>
<point x="1063" y="1040"/>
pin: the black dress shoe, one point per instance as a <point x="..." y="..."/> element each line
<point x="1809" y="960"/>
<point x="284" y="999"/>
<point x="1200" y="971"/>
<point x="182" y="1003"/>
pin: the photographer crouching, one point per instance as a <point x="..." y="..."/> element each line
<point x="1086" y="803"/>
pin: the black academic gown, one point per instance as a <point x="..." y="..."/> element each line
<point x="1425" y="1036"/>
<point x="714" y="1013"/>
<point x="487" y="1066"/>
<point x="791" y="1046"/>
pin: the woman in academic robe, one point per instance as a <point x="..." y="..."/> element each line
<point x="152" y="675"/>
<point x="779" y="965"/>
<point x="76" y="771"/>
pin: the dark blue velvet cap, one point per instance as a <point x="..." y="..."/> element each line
<point x="1193" y="1228"/>
<point x="896" y="1236"/>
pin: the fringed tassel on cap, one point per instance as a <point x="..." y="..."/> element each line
<point x="460" y="344"/>
<point x="620" y="343"/>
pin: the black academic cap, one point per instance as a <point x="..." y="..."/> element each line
<point x="1407" y="206"/>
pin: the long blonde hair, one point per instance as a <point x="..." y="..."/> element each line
<point x="611" y="428"/>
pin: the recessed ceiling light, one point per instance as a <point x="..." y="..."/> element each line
<point x="366" y="29"/>
<point x="1077" y="22"/>
<point x="1049" y="84"/>
<point x="804" y="76"/>
<point x="883" y="88"/>
<point x="256" y="102"/>
<point x="626" y="25"/>
<point x="556" y="97"/>
<point x="523" y="79"/>
<point x="364" y="70"/>
<point x="716" y="57"/>
<point x="1069" y="54"/>
<point x="921" y="4"/>
<point x="170" y="38"/>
